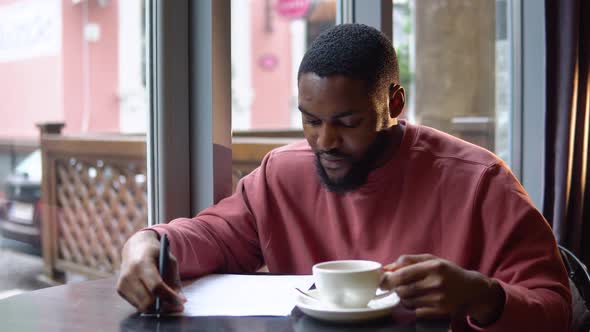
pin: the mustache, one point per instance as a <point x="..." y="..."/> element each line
<point x="335" y="153"/>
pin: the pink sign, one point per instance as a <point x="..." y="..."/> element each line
<point x="268" y="62"/>
<point x="293" y="9"/>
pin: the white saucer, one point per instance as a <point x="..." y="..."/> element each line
<point x="375" y="309"/>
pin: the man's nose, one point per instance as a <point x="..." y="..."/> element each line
<point x="328" y="138"/>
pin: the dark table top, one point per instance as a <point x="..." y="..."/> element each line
<point x="96" y="306"/>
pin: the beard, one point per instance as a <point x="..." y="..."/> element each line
<point x="359" y="170"/>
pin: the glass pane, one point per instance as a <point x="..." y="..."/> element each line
<point x="272" y="36"/>
<point x="455" y="64"/>
<point x="77" y="69"/>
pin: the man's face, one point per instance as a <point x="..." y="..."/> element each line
<point x="341" y="122"/>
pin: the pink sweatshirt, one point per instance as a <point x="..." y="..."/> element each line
<point x="437" y="195"/>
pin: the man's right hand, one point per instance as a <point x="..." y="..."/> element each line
<point x="140" y="281"/>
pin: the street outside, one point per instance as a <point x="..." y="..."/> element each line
<point x="20" y="268"/>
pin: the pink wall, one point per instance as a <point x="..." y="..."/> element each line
<point x="272" y="88"/>
<point x="71" y="58"/>
<point x="29" y="93"/>
<point x="102" y="77"/>
<point x="51" y="88"/>
<point x="104" y="69"/>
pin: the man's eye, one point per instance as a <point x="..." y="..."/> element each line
<point x="350" y="123"/>
<point x="313" y="122"/>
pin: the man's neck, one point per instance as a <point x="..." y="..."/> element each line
<point x="395" y="135"/>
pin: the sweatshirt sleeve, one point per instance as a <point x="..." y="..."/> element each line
<point x="521" y="253"/>
<point x="222" y="238"/>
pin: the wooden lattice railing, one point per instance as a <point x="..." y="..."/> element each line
<point x="95" y="196"/>
<point x="94" y="199"/>
<point x="101" y="203"/>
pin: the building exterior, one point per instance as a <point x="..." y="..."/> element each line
<point x="77" y="62"/>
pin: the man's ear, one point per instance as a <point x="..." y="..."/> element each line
<point x="397" y="100"/>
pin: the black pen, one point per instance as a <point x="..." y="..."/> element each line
<point x="162" y="264"/>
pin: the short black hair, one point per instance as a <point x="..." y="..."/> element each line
<point x="357" y="51"/>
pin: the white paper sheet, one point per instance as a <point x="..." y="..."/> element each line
<point x="243" y="295"/>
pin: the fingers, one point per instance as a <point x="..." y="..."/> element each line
<point x="431" y="300"/>
<point x="427" y="285"/>
<point x="405" y="260"/>
<point x="391" y="267"/>
<point x="135" y="292"/>
<point x="172" y="275"/>
<point x="156" y="286"/>
<point x="410" y="274"/>
<point x="141" y="293"/>
<point x="432" y="286"/>
<point x="146" y="298"/>
<point x="141" y="283"/>
<point x="172" y="308"/>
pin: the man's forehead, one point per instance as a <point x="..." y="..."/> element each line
<point x="336" y="80"/>
<point x="313" y="87"/>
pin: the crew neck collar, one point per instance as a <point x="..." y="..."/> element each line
<point x="390" y="167"/>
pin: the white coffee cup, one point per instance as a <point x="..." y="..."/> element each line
<point x="347" y="283"/>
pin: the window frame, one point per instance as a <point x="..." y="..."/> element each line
<point x="187" y="135"/>
<point x="184" y="127"/>
<point x="527" y="28"/>
<point x="531" y="130"/>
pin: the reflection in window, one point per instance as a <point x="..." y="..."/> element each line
<point x="455" y="65"/>
<point x="78" y="68"/>
<point x="269" y="38"/>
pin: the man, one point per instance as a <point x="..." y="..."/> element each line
<point x="465" y="240"/>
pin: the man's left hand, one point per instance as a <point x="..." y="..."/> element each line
<point x="436" y="288"/>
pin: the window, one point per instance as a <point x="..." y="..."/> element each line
<point x="269" y="39"/>
<point x="76" y="69"/>
<point x="455" y="64"/>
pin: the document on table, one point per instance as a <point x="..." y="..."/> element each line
<point x="243" y="295"/>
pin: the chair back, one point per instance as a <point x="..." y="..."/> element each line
<point x="580" y="288"/>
